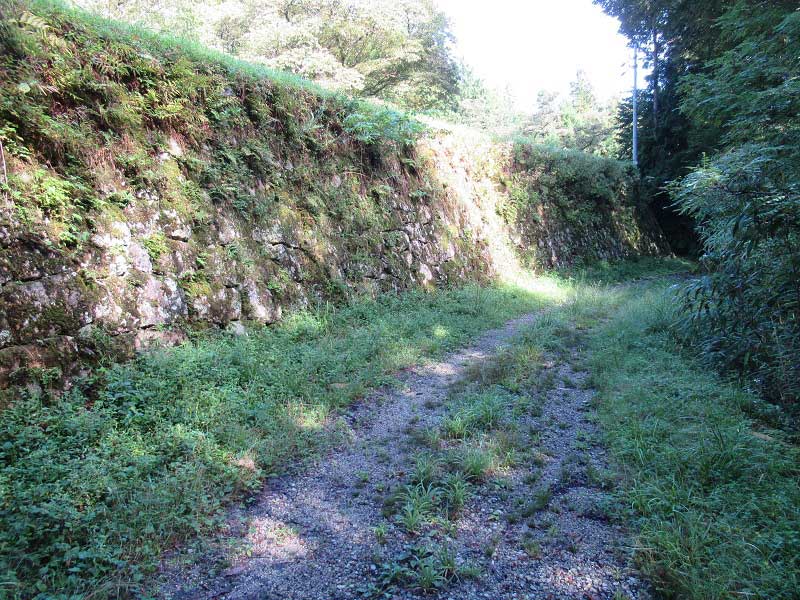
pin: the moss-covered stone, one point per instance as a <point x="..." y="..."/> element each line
<point x="155" y="188"/>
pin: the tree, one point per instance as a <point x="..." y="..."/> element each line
<point x="745" y="313"/>
<point x="394" y="50"/>
<point x="722" y="106"/>
<point x="483" y="107"/>
<point x="580" y="122"/>
<point x="677" y="38"/>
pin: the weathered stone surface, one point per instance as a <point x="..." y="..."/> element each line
<point x="227" y="231"/>
<point x="219" y="266"/>
<point x="114" y="305"/>
<point x="236" y="328"/>
<point x="145" y="339"/>
<point x="29" y="261"/>
<point x="115" y="234"/>
<point x="33" y="310"/>
<point x="220" y="307"/>
<point x="8" y="231"/>
<point x="259" y="304"/>
<point x="425" y="275"/>
<point x="139" y="258"/>
<point x="149" y="271"/>
<point x="160" y="301"/>
<point x="270" y="235"/>
<point x="61" y="352"/>
<point x="175" y="227"/>
<point x="178" y="261"/>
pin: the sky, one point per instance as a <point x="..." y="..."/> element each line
<point x="532" y="45"/>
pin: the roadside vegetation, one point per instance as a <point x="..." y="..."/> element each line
<point x="96" y="482"/>
<point x="696" y="367"/>
<point x="722" y="104"/>
<point x="702" y="475"/>
<point x="710" y="482"/>
<point x="153" y="450"/>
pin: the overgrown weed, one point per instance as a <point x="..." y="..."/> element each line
<point x="715" y="491"/>
<point x="151" y="450"/>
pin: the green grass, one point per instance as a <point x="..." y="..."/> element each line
<point x="476" y="463"/>
<point x="367" y="120"/>
<point x="718" y="503"/>
<point x="627" y="270"/>
<point x="710" y="491"/>
<point x="124" y="92"/>
<point x="475" y="412"/>
<point x="538" y="502"/>
<point x="96" y="483"/>
<point x="167" y="44"/>
<point x="427" y="568"/>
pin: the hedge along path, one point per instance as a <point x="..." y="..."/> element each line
<point x="532" y="527"/>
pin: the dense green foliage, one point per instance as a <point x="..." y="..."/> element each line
<point x="571" y="173"/>
<point x="90" y="109"/>
<point x="397" y="51"/>
<point x="549" y="185"/>
<point x="727" y="84"/>
<point x="746" y="311"/>
<point x="676" y="37"/>
<point x="580" y="122"/>
<point x="636" y="268"/>
<point x="744" y="314"/>
<point x="401" y="52"/>
<point x="715" y="492"/>
<point x="94" y="484"/>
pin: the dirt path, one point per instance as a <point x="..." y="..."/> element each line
<point x="322" y="535"/>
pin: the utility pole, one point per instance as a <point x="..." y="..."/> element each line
<point x="636" y="105"/>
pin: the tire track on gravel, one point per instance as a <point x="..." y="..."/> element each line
<point x="310" y="536"/>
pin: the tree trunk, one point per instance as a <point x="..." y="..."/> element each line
<point x="656" y="53"/>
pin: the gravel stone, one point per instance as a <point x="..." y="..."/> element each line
<point x="309" y="536"/>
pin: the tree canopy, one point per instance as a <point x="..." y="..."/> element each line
<point x="721" y="133"/>
<point x="579" y="122"/>
<point x="397" y="50"/>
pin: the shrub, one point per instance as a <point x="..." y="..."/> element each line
<point x="150" y="450"/>
<point x="375" y="125"/>
<point x="744" y="313"/>
<point x="584" y="192"/>
<point x="577" y="174"/>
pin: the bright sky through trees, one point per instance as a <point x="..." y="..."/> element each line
<point x="530" y="45"/>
